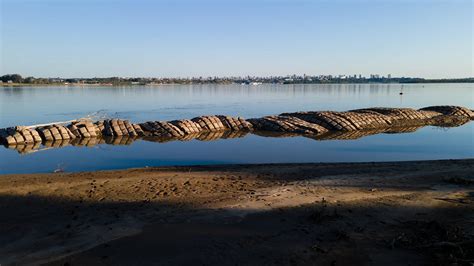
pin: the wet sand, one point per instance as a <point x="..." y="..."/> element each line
<point x="418" y="213"/>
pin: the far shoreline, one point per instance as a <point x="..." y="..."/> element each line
<point x="7" y="85"/>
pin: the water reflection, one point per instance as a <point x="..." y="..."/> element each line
<point x="212" y="136"/>
<point x="37" y="105"/>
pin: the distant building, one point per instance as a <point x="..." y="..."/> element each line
<point x="389" y="76"/>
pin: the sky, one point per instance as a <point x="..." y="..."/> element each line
<point x="184" y="38"/>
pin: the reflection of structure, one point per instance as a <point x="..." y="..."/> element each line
<point x="316" y="125"/>
<point x="342" y="135"/>
<point x="210" y="136"/>
<point x="202" y="136"/>
<point x="25" y="148"/>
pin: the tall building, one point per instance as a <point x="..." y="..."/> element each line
<point x="389" y="76"/>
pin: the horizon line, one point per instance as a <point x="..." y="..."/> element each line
<point x="357" y="76"/>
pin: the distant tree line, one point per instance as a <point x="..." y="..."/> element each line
<point x="16" y="78"/>
<point x="12" y="78"/>
<point x="294" y="79"/>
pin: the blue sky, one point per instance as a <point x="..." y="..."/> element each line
<point x="180" y="38"/>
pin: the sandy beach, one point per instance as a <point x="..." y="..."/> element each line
<point x="398" y="213"/>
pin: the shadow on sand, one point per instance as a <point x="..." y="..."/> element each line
<point x="382" y="231"/>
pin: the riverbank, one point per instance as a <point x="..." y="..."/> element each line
<point x="304" y="214"/>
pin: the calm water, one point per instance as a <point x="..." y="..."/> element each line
<point x="33" y="105"/>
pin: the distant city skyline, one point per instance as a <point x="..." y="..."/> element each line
<point x="184" y="38"/>
<point x="15" y="79"/>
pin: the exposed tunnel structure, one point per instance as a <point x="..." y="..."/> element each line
<point x="319" y="125"/>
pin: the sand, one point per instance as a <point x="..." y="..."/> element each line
<point x="418" y="213"/>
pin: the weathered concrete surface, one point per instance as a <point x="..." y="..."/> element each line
<point x="318" y="125"/>
<point x="451" y="110"/>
